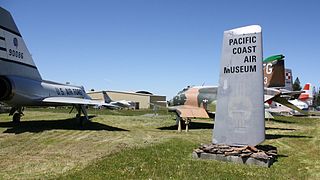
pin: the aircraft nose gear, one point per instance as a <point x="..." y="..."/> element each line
<point x="179" y="123"/>
<point x="17" y="113"/>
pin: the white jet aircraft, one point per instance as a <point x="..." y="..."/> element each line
<point x="118" y="104"/>
<point x="20" y="81"/>
<point x="305" y="99"/>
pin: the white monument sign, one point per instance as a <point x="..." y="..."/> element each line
<point x="240" y="102"/>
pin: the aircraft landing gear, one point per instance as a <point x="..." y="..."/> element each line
<point x="82" y="120"/>
<point x="17" y="113"/>
<point x="16" y="118"/>
<point x="179" y="121"/>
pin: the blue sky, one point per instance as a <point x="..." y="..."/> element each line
<point x="159" y="45"/>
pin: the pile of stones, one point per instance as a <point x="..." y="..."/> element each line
<point x="266" y="154"/>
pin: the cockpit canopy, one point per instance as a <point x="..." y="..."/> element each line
<point x="184" y="89"/>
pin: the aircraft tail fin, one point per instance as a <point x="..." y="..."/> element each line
<point x="274" y="71"/>
<point x="15" y="58"/>
<point x="106" y="97"/>
<point x="307" y="95"/>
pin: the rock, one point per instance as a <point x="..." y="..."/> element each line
<point x="260" y="155"/>
<point x="243" y="155"/>
<point x="226" y="150"/>
<point x="239" y="148"/>
<point x="224" y="147"/>
<point x="219" y="152"/>
<point x="246" y="151"/>
<point x="196" y="155"/>
<point x="253" y="149"/>
<point x="233" y="153"/>
<point x="213" y="150"/>
<point x="198" y="151"/>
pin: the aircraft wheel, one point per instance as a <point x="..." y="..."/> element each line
<point x="79" y="119"/>
<point x="16" y="118"/>
<point x="83" y="121"/>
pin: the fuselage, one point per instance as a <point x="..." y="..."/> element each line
<point x="22" y="91"/>
<point x="300" y="104"/>
<point x="206" y="96"/>
<point x="198" y="96"/>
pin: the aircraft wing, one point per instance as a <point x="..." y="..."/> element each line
<point x="283" y="100"/>
<point x="292" y="93"/>
<point x="120" y="103"/>
<point x="268" y="98"/>
<point x="72" y="100"/>
<point x="186" y="111"/>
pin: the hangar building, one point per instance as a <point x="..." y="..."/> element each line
<point x="143" y="100"/>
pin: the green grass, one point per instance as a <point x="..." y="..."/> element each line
<point x="48" y="144"/>
<point x="122" y="112"/>
<point x="173" y="160"/>
<point x="298" y="146"/>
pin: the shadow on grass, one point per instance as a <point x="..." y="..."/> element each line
<point x="278" y="136"/>
<point x="282" y="156"/>
<point x="63" y="124"/>
<point x="192" y="125"/>
<point x="282" y="121"/>
<point x="284" y="129"/>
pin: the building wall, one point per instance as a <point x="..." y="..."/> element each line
<point x="158" y="100"/>
<point x="96" y="95"/>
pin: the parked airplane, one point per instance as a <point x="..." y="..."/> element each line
<point x="274" y="71"/>
<point x="118" y="104"/>
<point x="194" y="102"/>
<point x="305" y="99"/>
<point x="297" y="101"/>
<point x="20" y="81"/>
<point x="300" y="104"/>
<point x="199" y="101"/>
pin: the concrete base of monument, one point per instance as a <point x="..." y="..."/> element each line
<point x="261" y="155"/>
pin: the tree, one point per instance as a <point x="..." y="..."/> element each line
<point x="317" y="99"/>
<point x="296" y="85"/>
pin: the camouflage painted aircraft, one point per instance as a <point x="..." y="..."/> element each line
<point x="20" y="81"/>
<point x="199" y="101"/>
<point x="193" y="102"/>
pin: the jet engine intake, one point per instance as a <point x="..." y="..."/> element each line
<point x="5" y="88"/>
